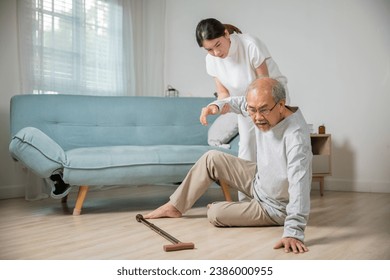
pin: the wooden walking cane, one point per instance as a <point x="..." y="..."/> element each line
<point x="176" y="244"/>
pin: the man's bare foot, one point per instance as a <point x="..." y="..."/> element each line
<point x="165" y="211"/>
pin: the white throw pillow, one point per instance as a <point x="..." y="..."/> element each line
<point x="223" y="129"/>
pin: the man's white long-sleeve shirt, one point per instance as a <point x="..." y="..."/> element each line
<point x="283" y="179"/>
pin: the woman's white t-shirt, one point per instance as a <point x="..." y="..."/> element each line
<point x="237" y="70"/>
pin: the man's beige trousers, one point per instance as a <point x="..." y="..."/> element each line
<point x="214" y="166"/>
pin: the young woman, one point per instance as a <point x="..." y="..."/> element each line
<point x="234" y="60"/>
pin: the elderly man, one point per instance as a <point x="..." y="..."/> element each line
<point x="278" y="185"/>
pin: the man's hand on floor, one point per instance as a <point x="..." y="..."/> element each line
<point x="291" y="244"/>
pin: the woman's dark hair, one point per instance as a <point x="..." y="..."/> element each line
<point x="210" y="28"/>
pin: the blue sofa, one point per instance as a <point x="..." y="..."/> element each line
<point x="96" y="140"/>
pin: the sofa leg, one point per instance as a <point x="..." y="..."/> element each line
<point x="64" y="200"/>
<point x="225" y="190"/>
<point x="319" y="179"/>
<point x="80" y="200"/>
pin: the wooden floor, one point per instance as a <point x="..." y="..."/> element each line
<point x="343" y="225"/>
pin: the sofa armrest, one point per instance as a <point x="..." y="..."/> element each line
<point x="37" y="151"/>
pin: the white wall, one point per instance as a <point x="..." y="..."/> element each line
<point x="336" y="55"/>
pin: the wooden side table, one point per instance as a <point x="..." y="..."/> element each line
<point x="322" y="153"/>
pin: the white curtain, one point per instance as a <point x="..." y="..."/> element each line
<point x="148" y="22"/>
<point x="91" y="47"/>
<point x="71" y="46"/>
<point x="95" y="47"/>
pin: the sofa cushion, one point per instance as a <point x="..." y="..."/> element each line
<point x="223" y="129"/>
<point x="118" y="165"/>
<point x="116" y="156"/>
<point x="37" y="151"/>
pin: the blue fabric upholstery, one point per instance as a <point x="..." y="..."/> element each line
<point x="99" y="140"/>
<point x="75" y="121"/>
<point x="131" y="165"/>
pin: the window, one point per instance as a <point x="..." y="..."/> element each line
<point x="74" y="47"/>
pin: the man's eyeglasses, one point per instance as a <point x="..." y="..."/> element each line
<point x="264" y="112"/>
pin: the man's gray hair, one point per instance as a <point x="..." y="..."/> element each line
<point x="278" y="90"/>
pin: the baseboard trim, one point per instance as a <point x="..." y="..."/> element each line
<point x="12" y="191"/>
<point x="336" y="184"/>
